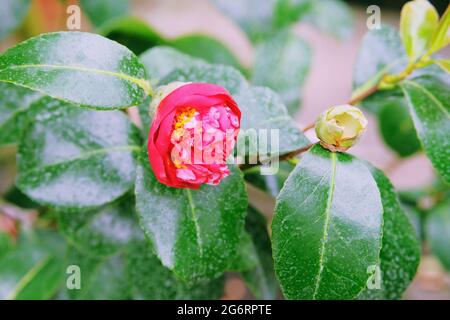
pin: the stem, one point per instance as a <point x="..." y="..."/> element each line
<point x="365" y="94"/>
<point x="286" y="156"/>
<point x="389" y="80"/>
<point x="309" y="127"/>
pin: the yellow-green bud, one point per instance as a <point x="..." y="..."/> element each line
<point x="340" y="127"/>
<point x="163" y="92"/>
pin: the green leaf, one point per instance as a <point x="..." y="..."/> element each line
<point x="6" y="243"/>
<point x="418" y="23"/>
<point x="273" y="183"/>
<point x="261" y="278"/>
<point x="139" y="36"/>
<point x="195" y="233"/>
<point x="207" y="48"/>
<point x="33" y="269"/>
<point x="429" y="101"/>
<point x="101" y="279"/>
<point x="150" y="280"/>
<point x="72" y="158"/>
<point x="101" y="232"/>
<point x="326" y="232"/>
<point x="133" y="33"/>
<point x="396" y="125"/>
<point x="331" y="16"/>
<point x="288" y="12"/>
<point x="415" y="217"/>
<point x="438" y="232"/>
<point x="225" y="76"/>
<point x="14" y="104"/>
<point x="100" y="12"/>
<point x="81" y="68"/>
<point x="11" y="15"/>
<point x="17" y="197"/>
<point x="282" y="64"/>
<point x="254" y="17"/>
<point x="400" y="252"/>
<point x="444" y="64"/>
<point x="262" y="109"/>
<point x="145" y="116"/>
<point x="160" y="61"/>
<point x="381" y="52"/>
<point x="246" y="258"/>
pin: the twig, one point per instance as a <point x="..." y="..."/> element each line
<point x="286" y="156"/>
<point x="365" y="94"/>
<point x="309" y="127"/>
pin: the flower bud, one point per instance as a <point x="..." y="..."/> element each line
<point x="340" y="127"/>
<point x="193" y="132"/>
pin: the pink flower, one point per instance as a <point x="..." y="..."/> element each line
<point x="194" y="131"/>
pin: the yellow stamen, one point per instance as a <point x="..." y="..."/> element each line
<point x="183" y="118"/>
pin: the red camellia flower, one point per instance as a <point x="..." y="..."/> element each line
<point x="194" y="130"/>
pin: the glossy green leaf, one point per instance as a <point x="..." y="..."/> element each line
<point x="261" y="278"/>
<point x="262" y="109"/>
<point x="103" y="11"/>
<point x="207" y="48"/>
<point x="138" y="36"/>
<point x="331" y="16"/>
<point x="288" y="12"/>
<point x="11" y="15"/>
<point x="282" y="64"/>
<point x="246" y="258"/>
<point x="396" y="125"/>
<point x="72" y="158"/>
<point x="225" y="76"/>
<point x="400" y="252"/>
<point x="255" y="17"/>
<point x="100" y="232"/>
<point x="145" y="116"/>
<point x="415" y="217"/>
<point x="33" y="269"/>
<point x="100" y="279"/>
<point x="81" y="68"/>
<point x="133" y="33"/>
<point x="162" y="60"/>
<point x="150" y="280"/>
<point x="326" y="232"/>
<point x="18" y="198"/>
<point x="273" y="183"/>
<point x="429" y="102"/>
<point x="438" y="232"/>
<point x="14" y="104"/>
<point x="195" y="233"/>
<point x="6" y="243"/>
